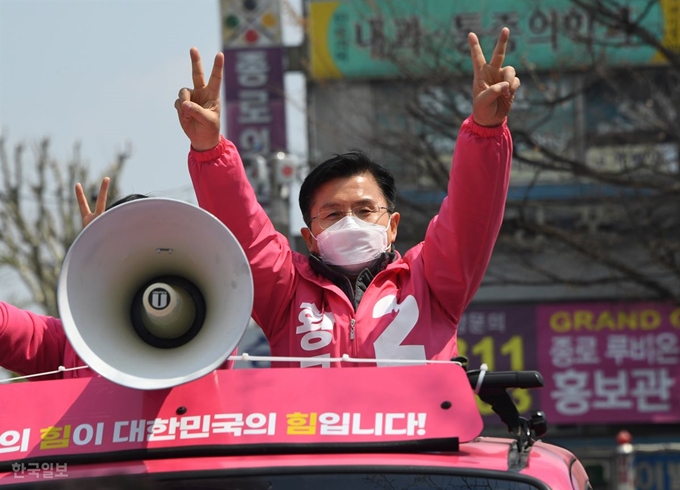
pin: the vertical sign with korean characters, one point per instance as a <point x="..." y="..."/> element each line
<point x="610" y="362"/>
<point x="253" y="75"/>
<point x="503" y="338"/>
<point x="255" y="101"/>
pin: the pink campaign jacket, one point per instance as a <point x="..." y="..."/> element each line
<point x="412" y="308"/>
<point x="32" y="343"/>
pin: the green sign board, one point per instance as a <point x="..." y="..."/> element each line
<point x="393" y="38"/>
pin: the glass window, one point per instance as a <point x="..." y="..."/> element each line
<point x="327" y="481"/>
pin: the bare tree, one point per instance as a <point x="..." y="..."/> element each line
<point x="39" y="216"/>
<point x="596" y="184"/>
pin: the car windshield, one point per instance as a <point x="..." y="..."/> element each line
<point x="326" y="481"/>
<point x="367" y="481"/>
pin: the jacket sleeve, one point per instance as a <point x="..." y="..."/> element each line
<point x="30" y="343"/>
<point x="460" y="239"/>
<point x="222" y="188"/>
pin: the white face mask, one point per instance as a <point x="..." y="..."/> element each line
<point x="352" y="244"/>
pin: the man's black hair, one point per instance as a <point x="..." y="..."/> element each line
<point x="355" y="162"/>
<point x="128" y="198"/>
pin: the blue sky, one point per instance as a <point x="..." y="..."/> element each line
<point x="106" y="73"/>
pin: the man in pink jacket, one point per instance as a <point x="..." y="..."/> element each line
<point x="355" y="295"/>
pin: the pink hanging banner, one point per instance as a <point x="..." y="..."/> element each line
<point x="609" y="362"/>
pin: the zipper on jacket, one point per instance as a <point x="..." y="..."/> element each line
<point x="352" y="342"/>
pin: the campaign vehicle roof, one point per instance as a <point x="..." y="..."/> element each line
<point x="362" y="428"/>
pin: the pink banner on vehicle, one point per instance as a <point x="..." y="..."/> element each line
<point x="609" y="362"/>
<point x="238" y="408"/>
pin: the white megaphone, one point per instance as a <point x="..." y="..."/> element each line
<point x="155" y="293"/>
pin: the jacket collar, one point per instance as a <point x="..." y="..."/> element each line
<point x="364" y="278"/>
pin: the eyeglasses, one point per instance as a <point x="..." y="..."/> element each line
<point x="367" y="213"/>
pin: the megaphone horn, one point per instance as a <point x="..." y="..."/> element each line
<point x="154" y="293"/>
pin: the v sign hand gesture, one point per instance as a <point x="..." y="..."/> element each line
<point x="494" y="86"/>
<point x="86" y="215"/>
<point x="199" y="108"/>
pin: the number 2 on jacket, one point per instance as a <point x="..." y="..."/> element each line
<point x="388" y="345"/>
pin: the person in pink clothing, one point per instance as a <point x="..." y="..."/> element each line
<point x="355" y="294"/>
<point x="33" y="343"/>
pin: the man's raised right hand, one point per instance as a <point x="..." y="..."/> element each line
<point x="199" y="108"/>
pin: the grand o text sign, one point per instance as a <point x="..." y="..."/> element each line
<point x="609" y="362"/>
<point x="614" y="319"/>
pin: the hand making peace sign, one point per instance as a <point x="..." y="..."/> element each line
<point x="199" y="108"/>
<point x="86" y="215"/>
<point x="494" y="86"/>
<point x="493" y="89"/>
